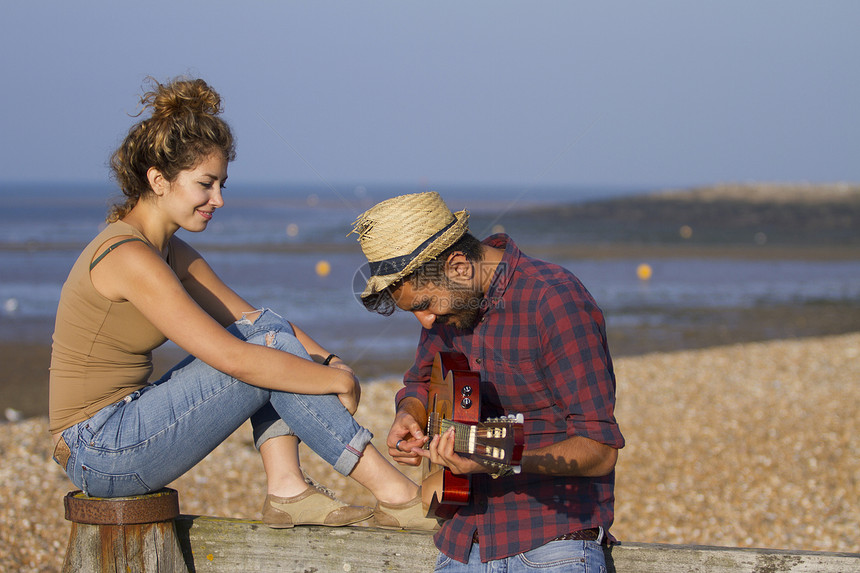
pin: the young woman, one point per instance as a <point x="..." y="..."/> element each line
<point x="137" y="285"/>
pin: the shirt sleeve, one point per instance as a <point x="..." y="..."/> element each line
<point x="579" y="370"/>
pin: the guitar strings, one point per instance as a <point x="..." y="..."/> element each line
<point x="463" y="439"/>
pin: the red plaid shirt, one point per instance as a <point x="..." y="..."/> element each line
<point x="541" y="351"/>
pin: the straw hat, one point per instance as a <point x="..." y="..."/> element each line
<point x="401" y="234"/>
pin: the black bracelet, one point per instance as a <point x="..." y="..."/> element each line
<point x="329" y="358"/>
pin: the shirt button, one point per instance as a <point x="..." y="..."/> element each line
<point x="477" y="360"/>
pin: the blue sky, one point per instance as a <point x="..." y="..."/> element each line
<point x="625" y="93"/>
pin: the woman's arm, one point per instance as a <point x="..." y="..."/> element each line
<point x="205" y="287"/>
<point x="219" y="300"/>
<point x="317" y="352"/>
<point x="135" y="273"/>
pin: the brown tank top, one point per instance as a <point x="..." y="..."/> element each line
<point x="102" y="350"/>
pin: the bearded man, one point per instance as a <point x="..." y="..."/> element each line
<point x="537" y="340"/>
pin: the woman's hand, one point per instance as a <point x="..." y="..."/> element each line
<point x="352" y="395"/>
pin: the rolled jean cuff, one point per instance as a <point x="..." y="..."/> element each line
<point x="271" y="430"/>
<point x="353" y="452"/>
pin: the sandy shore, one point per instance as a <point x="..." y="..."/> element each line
<point x="748" y="445"/>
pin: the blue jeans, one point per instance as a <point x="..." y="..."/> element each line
<point x="156" y="434"/>
<point x="570" y="556"/>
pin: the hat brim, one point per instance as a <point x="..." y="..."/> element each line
<point x="379" y="283"/>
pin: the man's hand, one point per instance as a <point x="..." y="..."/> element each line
<point x="441" y="451"/>
<point x="406" y="438"/>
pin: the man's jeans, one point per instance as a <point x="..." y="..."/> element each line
<point x="570" y="556"/>
<point x="156" y="434"/>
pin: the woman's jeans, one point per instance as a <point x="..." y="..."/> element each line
<point x="156" y="434"/>
<point x="569" y="556"/>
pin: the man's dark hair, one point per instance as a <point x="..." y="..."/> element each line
<point x="432" y="272"/>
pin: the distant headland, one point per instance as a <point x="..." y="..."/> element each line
<point x="772" y="216"/>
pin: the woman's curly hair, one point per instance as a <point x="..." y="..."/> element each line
<point x="183" y="129"/>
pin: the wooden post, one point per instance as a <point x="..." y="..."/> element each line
<point x="123" y="534"/>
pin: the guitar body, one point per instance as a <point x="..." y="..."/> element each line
<point x="454" y="400"/>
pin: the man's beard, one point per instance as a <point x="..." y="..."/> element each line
<point x="466" y="308"/>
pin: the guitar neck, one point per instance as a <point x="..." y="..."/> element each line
<point x="464" y="434"/>
<point x="495" y="441"/>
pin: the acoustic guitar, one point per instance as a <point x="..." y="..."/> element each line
<point x="454" y="401"/>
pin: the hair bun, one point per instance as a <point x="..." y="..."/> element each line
<point x="180" y="97"/>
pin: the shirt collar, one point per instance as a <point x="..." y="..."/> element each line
<point x="504" y="270"/>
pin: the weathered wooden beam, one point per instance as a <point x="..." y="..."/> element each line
<point x="221" y="545"/>
<point x="657" y="558"/>
<point x="215" y="545"/>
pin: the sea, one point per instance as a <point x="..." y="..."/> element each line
<point x="287" y="247"/>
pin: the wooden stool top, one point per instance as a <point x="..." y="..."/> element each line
<point x="161" y="505"/>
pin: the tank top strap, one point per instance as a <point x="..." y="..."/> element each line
<point x="112" y="247"/>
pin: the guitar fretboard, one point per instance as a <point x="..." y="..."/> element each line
<point x="464" y="434"/>
<point x="485" y="440"/>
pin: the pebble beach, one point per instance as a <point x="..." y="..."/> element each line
<point x="741" y="420"/>
<point x="746" y="445"/>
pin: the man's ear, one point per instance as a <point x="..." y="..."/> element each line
<point x="458" y="268"/>
<point x="157" y="181"/>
